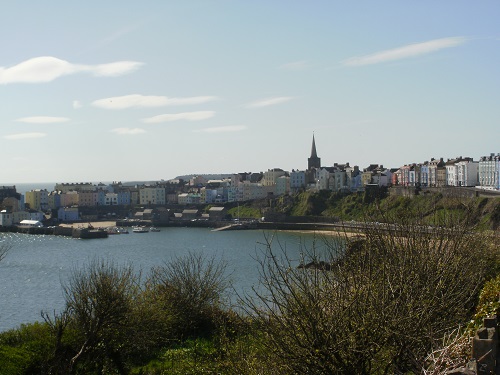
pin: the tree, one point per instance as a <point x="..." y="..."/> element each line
<point x="373" y="305"/>
<point x="100" y="303"/>
<point x="190" y="292"/>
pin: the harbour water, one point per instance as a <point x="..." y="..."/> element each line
<point x="35" y="267"/>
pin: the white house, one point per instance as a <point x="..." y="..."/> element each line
<point x="297" y="180"/>
<point x="6" y="218"/>
<point x="282" y="185"/>
<point x="467" y="173"/>
<point x="489" y="171"/>
<point x="68" y="214"/>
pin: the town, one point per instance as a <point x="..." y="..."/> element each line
<point x="73" y="202"/>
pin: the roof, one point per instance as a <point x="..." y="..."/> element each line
<point x="216" y="209"/>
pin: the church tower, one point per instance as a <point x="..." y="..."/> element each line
<point x="313" y="161"/>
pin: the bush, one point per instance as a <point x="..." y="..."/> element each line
<point x="100" y="302"/>
<point x="190" y="291"/>
<point x="377" y="309"/>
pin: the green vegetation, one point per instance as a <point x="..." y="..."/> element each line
<point x="245" y="211"/>
<point x="377" y="205"/>
<point x="382" y="303"/>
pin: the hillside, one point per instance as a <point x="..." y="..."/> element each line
<point x="379" y="206"/>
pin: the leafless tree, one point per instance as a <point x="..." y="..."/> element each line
<point x="379" y="306"/>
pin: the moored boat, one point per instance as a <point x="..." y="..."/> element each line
<point x="139" y="229"/>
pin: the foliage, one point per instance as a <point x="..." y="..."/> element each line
<point x="245" y="211"/>
<point x="26" y="348"/>
<point x="100" y="301"/>
<point x="379" y="307"/>
<point x="190" y="290"/>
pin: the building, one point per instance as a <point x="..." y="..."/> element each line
<point x="297" y="180"/>
<point x="313" y="162"/>
<point x="271" y="176"/>
<point x="489" y="171"/>
<point x="79" y="186"/>
<point x="152" y="195"/>
<point x="70" y="198"/>
<point x="37" y="199"/>
<point x="467" y="173"/>
<point x="437" y="173"/>
<point x="282" y="185"/>
<point x="68" y="214"/>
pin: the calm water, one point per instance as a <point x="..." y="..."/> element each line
<point x="34" y="268"/>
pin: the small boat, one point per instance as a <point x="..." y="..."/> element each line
<point x="154" y="229"/>
<point x="139" y="229"/>
<point x="116" y="230"/>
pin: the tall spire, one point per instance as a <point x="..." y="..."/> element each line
<point x="313" y="149"/>
<point x="313" y="161"/>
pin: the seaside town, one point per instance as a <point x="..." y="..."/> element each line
<point x="74" y="202"/>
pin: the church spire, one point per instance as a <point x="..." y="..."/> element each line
<point x="313" y="149"/>
<point x="313" y="161"/>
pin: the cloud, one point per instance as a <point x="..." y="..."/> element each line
<point x="128" y="131"/>
<point x="143" y="101"/>
<point x="42" y="120"/>
<point x="77" y="104"/>
<point x="25" y="136"/>
<point x="222" y="129"/>
<point x="296" y="65"/>
<point x="48" y="68"/>
<point x="410" y="50"/>
<point x="270" y="101"/>
<point x="188" y="116"/>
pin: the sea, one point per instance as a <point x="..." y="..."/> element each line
<point x="36" y="267"/>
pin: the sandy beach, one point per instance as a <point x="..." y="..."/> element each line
<point x="95" y="224"/>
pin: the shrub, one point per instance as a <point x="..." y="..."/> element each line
<point x="190" y="291"/>
<point x="379" y="309"/>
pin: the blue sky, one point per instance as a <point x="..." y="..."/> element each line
<point x="128" y="90"/>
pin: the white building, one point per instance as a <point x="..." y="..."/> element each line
<point x="68" y="214"/>
<point x="489" y="171"/>
<point x="297" y="180"/>
<point x="467" y="173"/>
<point x="111" y="199"/>
<point x="6" y="218"/>
<point x="282" y="185"/>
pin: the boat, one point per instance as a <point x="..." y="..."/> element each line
<point x="154" y="229"/>
<point x="139" y="229"/>
<point x="116" y="230"/>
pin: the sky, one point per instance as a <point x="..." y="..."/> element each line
<point x="128" y="90"/>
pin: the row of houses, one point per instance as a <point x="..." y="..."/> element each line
<point x="240" y="187"/>
<point x="456" y="172"/>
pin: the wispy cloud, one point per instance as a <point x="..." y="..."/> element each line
<point x="222" y="129"/>
<point x="144" y="101"/>
<point x="42" y="120"/>
<point x="77" y="104"/>
<point x="188" y="116"/>
<point x="48" y="68"/>
<point x="404" y="52"/>
<point x="24" y="136"/>
<point x="269" y="101"/>
<point x="128" y="131"/>
<point x="296" y="65"/>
